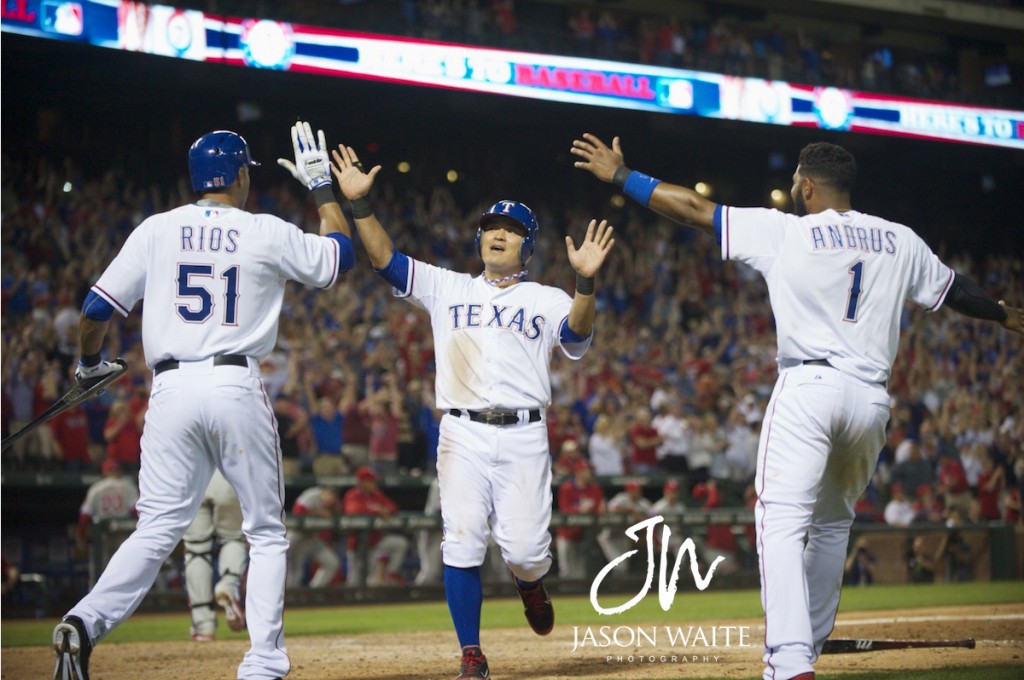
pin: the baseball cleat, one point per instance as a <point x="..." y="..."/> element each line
<point x="233" y="611"/>
<point x="539" y="612"/>
<point x="201" y="637"/>
<point x="72" y="647"/>
<point x="474" y="663"/>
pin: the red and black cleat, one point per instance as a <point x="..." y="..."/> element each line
<point x="474" y="663"/>
<point x="539" y="612"/>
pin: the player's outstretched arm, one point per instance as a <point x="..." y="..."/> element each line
<point x="312" y="168"/>
<point x="355" y="185"/>
<point x="675" y="202"/>
<point x="967" y="297"/>
<point x="587" y="261"/>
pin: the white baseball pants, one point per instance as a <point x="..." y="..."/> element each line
<point x="200" y="417"/>
<point x="501" y="473"/>
<point x="819" y="444"/>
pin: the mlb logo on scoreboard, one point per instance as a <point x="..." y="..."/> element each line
<point x="64" y="18"/>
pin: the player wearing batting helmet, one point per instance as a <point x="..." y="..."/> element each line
<point x="493" y="337"/>
<point x="213" y="277"/>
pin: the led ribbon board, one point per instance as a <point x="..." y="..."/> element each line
<point x="262" y="43"/>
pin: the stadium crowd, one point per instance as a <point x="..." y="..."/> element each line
<point x="674" y="387"/>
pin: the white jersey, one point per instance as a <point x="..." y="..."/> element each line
<point x="213" y="279"/>
<point x="492" y="346"/>
<point x="110" y="498"/>
<point x="837" y="281"/>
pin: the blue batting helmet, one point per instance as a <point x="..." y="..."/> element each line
<point x="215" y="159"/>
<point x="519" y="212"/>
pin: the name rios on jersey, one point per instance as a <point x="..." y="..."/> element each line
<point x="848" y="237"/>
<point x="208" y="239"/>
<point x="463" y="316"/>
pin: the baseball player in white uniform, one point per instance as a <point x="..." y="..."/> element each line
<point x="213" y="278"/>
<point x="218" y="523"/>
<point x="493" y="339"/>
<point x="838" y="280"/>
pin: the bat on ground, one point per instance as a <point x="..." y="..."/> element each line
<point x="83" y="390"/>
<point x="852" y="646"/>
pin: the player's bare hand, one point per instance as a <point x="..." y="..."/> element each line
<point x="597" y="157"/>
<point x="1014" y="318"/>
<point x="598" y="242"/>
<point x="353" y="181"/>
<point x="311" y="162"/>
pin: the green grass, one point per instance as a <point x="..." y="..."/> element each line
<point x="505" y="613"/>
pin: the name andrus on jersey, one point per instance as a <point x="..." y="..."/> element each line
<point x="848" y="237"/>
<point x="465" y="316"/>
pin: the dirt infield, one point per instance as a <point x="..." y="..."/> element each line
<point x="517" y="653"/>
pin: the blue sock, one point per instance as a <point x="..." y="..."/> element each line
<point x="465" y="597"/>
<point x="528" y="585"/>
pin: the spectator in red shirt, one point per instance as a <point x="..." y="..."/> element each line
<point x="568" y="457"/>
<point x="578" y="495"/>
<point x="70" y="432"/>
<point x="643" y="443"/>
<point x="990" y="487"/>
<point x="720" y="541"/>
<point x="953" y="483"/>
<point x="382" y="409"/>
<point x="387" y="551"/>
<point x="1012" y="506"/>
<point x="124" y="436"/>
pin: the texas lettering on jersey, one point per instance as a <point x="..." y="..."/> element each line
<point x="468" y="315"/>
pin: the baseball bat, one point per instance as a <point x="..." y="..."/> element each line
<point x="840" y="646"/>
<point x="86" y="389"/>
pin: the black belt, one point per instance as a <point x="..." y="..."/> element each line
<point x="496" y="417"/>
<point x="823" y="362"/>
<point x="220" y="360"/>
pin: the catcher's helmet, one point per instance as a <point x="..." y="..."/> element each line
<point x="519" y="212"/>
<point x="215" y="158"/>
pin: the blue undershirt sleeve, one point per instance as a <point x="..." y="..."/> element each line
<point x="346" y="253"/>
<point x="96" y="308"/>
<point x="397" y="271"/>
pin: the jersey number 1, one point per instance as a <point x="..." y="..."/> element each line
<point x="857" y="271"/>
<point x="188" y="289"/>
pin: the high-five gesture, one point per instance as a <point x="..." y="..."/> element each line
<point x="311" y="162"/>
<point x="588" y="258"/>
<point x="352" y="180"/>
<point x="598" y="158"/>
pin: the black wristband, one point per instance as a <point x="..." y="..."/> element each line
<point x="324" y="195"/>
<point x="584" y="284"/>
<point x="621" y="175"/>
<point x="361" y="208"/>
<point x="90" y="360"/>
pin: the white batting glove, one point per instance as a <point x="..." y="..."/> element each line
<point x="98" y="371"/>
<point x="311" y="166"/>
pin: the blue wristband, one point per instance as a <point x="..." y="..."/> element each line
<point x="639" y="187"/>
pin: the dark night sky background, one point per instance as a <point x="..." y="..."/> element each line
<point x="109" y="108"/>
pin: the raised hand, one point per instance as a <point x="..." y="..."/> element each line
<point x="1014" y="318"/>
<point x="598" y="242"/>
<point x="352" y="180"/>
<point x="311" y="166"/>
<point x="598" y="158"/>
